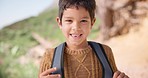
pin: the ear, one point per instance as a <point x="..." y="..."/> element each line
<point x="59" y="22"/>
<point x="92" y="22"/>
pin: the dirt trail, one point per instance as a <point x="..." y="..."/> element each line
<point x="131" y="52"/>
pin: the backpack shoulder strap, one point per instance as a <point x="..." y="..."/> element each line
<point x="58" y="60"/>
<point x="59" y="53"/>
<point x="98" y="49"/>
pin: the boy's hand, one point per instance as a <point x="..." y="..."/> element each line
<point x="46" y="74"/>
<point x="119" y="74"/>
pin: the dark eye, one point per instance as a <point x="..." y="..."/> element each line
<point x="83" y="20"/>
<point x="68" y="20"/>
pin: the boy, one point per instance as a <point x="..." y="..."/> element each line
<point x="76" y="18"/>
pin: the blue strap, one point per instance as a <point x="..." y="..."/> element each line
<point x="58" y="60"/>
<point x="107" y="71"/>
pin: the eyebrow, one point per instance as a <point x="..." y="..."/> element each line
<point x="86" y="17"/>
<point x="67" y="17"/>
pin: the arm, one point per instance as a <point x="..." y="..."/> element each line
<point x="117" y="74"/>
<point x="45" y="70"/>
<point x="110" y="57"/>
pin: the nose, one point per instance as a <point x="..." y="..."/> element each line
<point x="76" y="26"/>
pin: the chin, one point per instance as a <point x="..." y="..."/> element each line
<point x="75" y="43"/>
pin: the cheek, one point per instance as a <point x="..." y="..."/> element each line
<point x="86" y="27"/>
<point x="86" y="24"/>
<point x="65" y="30"/>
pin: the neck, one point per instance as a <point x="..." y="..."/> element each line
<point x="77" y="46"/>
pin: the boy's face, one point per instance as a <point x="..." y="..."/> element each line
<point x="76" y="24"/>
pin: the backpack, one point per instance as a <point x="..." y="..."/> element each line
<point x="99" y="51"/>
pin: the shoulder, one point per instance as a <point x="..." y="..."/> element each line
<point x="49" y="52"/>
<point x="107" y="49"/>
<point x="48" y="55"/>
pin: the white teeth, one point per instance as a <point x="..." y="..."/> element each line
<point x="75" y="35"/>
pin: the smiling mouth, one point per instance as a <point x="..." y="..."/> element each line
<point x="74" y="35"/>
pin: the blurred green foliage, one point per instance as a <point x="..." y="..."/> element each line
<point x="16" y="40"/>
